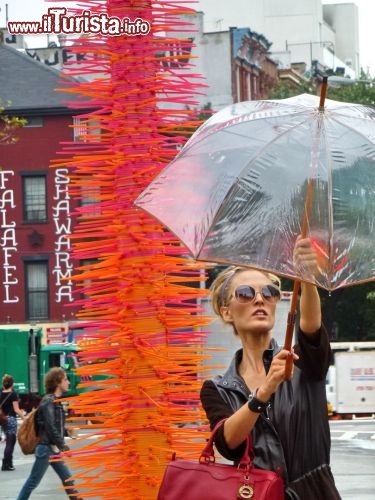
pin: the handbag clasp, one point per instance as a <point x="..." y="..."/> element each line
<point x="245" y="491"/>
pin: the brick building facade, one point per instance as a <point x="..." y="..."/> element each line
<point x="37" y="213"/>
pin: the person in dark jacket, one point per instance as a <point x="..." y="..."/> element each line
<point x="287" y="419"/>
<point x="10" y="406"/>
<point x="51" y="431"/>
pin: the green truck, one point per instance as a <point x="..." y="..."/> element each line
<point x="23" y="356"/>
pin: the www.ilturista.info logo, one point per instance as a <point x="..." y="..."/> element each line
<point x="56" y="21"/>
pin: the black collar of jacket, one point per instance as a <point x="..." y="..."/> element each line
<point x="233" y="381"/>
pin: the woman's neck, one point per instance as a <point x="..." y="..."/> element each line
<point x="252" y="367"/>
<point x="254" y="344"/>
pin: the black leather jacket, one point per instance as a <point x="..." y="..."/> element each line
<point x="294" y="436"/>
<point x="51" y="422"/>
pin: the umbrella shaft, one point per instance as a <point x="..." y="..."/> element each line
<point x="290" y="329"/>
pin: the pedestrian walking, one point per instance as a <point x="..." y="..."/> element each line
<point x="51" y="431"/>
<point x="9" y="404"/>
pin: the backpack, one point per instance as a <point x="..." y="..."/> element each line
<point x="27" y="434"/>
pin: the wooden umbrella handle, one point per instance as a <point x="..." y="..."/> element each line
<point x="290" y="330"/>
<point x="293" y="303"/>
<point x="323" y="93"/>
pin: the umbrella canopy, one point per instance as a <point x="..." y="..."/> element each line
<point x="236" y="193"/>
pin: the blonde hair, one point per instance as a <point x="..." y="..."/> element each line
<point x="220" y="286"/>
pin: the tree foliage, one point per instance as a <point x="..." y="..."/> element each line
<point x="361" y="91"/>
<point x="9" y="126"/>
<point x="284" y="89"/>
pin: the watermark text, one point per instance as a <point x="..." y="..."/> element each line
<point x="56" y="22"/>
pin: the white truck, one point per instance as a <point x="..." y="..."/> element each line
<point x="351" y="380"/>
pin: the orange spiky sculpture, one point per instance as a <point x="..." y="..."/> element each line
<point x="142" y="361"/>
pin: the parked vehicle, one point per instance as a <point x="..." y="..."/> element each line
<point x="23" y="355"/>
<point x="351" y="379"/>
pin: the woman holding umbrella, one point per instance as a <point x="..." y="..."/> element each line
<point x="287" y="419"/>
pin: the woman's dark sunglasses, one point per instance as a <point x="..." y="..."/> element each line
<point x="246" y="293"/>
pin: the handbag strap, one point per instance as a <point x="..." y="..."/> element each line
<point x="208" y="451"/>
<point x="9" y="393"/>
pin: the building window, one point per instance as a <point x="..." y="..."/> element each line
<point x="86" y="130"/>
<point x="90" y="199"/>
<point x="34" y="198"/>
<point x="33" y="122"/>
<point x="37" y="303"/>
<point x="87" y="266"/>
<point x="79" y="129"/>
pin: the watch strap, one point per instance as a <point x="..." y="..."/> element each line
<point x="257" y="406"/>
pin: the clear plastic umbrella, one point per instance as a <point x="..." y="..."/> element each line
<point x="258" y="173"/>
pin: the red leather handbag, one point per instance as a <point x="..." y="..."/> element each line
<point x="207" y="480"/>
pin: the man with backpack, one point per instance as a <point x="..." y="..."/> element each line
<point x="51" y="426"/>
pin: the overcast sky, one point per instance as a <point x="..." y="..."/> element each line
<point x="32" y="10"/>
